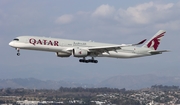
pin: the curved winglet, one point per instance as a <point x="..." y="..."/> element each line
<point x="141" y="42"/>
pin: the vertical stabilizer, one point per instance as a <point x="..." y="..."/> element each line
<point x="154" y="42"/>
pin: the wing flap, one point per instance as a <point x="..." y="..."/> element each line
<point x="105" y="48"/>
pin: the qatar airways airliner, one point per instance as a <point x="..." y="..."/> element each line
<point x="84" y="49"/>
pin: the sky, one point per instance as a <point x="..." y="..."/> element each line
<point x="115" y="21"/>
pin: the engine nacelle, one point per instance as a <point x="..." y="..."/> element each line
<point x="80" y="52"/>
<point x="61" y="54"/>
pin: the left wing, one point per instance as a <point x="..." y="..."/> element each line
<point x="112" y="48"/>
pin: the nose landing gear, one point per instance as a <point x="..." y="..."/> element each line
<point x="18" y="51"/>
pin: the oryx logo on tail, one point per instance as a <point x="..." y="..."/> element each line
<point x="154" y="42"/>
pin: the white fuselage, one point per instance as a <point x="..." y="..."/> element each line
<point x="65" y="46"/>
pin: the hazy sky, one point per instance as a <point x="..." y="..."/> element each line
<point x="109" y="21"/>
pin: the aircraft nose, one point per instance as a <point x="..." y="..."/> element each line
<point x="11" y="43"/>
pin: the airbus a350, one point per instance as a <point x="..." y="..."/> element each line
<point x="84" y="49"/>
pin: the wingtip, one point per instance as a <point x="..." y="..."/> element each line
<point x="142" y="41"/>
<point x="164" y="31"/>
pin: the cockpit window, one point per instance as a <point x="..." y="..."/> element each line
<point x="16" y="39"/>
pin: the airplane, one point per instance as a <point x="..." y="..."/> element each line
<point x="83" y="49"/>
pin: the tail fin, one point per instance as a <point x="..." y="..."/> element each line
<point x="154" y="42"/>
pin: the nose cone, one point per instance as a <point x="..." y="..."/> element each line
<point x="11" y="43"/>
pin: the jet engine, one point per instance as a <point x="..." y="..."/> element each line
<point x="62" y="54"/>
<point x="77" y="52"/>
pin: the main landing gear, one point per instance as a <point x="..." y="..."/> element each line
<point x="18" y="51"/>
<point x="88" y="61"/>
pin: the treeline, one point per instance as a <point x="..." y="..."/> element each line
<point x="23" y="91"/>
<point x="164" y="88"/>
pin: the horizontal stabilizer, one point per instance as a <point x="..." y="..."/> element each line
<point x="158" y="52"/>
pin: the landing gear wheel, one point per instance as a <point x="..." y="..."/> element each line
<point x="81" y="60"/>
<point x="18" y="54"/>
<point x="95" y="61"/>
<point x="88" y="61"/>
